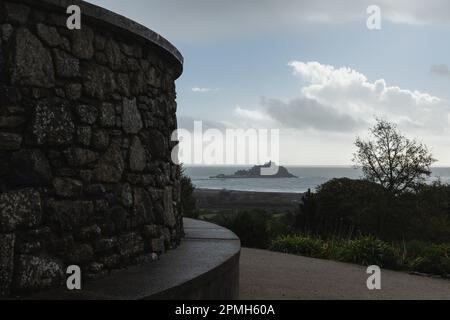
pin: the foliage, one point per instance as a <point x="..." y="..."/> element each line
<point x="428" y="257"/>
<point x="255" y="228"/>
<point x="260" y="229"/>
<point x="356" y="221"/>
<point x="413" y="256"/>
<point x="425" y="213"/>
<point x="370" y="251"/>
<point x="392" y="160"/>
<point x="307" y="209"/>
<point x="364" y="250"/>
<point x="188" y="202"/>
<point x="297" y="244"/>
<point x="346" y="208"/>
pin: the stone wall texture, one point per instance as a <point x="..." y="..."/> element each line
<point x="86" y="176"/>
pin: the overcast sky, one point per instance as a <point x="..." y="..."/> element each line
<point x="310" y="68"/>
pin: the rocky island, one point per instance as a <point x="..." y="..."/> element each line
<point x="255" y="172"/>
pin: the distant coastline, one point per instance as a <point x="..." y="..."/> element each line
<point x="308" y="178"/>
<point x="257" y="172"/>
<point x="214" y="199"/>
<point x="215" y="190"/>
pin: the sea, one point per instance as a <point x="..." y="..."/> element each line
<point x="309" y="177"/>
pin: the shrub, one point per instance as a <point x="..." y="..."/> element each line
<point x="251" y="226"/>
<point x="346" y="208"/>
<point x="426" y="213"/>
<point x="297" y="244"/>
<point x="370" y="251"/>
<point x="255" y="228"/>
<point x="188" y="201"/>
<point x="429" y="258"/>
<point x="417" y="256"/>
<point x="279" y="224"/>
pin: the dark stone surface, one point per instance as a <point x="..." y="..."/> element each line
<point x="126" y="195"/>
<point x="11" y="121"/>
<point x="52" y="123"/>
<point x="132" y="121"/>
<point x="9" y="95"/>
<point x="138" y="159"/>
<point x="156" y="143"/>
<point x="83" y="43"/>
<point x="169" y="215"/>
<point x="90" y="232"/>
<point x="98" y="81"/>
<point x="87" y="114"/>
<point x="10" y="141"/>
<point x="80" y="254"/>
<point x="107" y="114"/>
<point x="6" y="261"/>
<point x="37" y="272"/>
<point x="31" y="167"/>
<point x="110" y="166"/>
<point x="205" y="266"/>
<point x="84" y="144"/>
<point x="16" y="12"/>
<point x="124" y="25"/>
<point x="106" y="245"/>
<point x="19" y="209"/>
<point x="30" y="62"/>
<point x="66" y="65"/>
<point x="100" y="140"/>
<point x="73" y="91"/>
<point x="113" y="54"/>
<point x="151" y="231"/>
<point x="48" y="34"/>
<point x="84" y="134"/>
<point x="130" y="244"/>
<point x="80" y="156"/>
<point x="68" y="214"/>
<point x="66" y="187"/>
<point x="143" y="206"/>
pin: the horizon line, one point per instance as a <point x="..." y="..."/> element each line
<point x="289" y="165"/>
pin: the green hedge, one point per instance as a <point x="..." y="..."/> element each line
<point x="370" y="251"/>
<point x="413" y="256"/>
<point x="255" y="228"/>
<point x="345" y="208"/>
<point x="301" y="245"/>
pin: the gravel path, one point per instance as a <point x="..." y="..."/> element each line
<point x="273" y="275"/>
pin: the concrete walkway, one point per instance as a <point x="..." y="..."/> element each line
<point x="272" y="275"/>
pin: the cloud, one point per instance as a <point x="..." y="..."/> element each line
<point x="344" y="100"/>
<point x="209" y="19"/>
<point x="203" y="90"/>
<point x="440" y="70"/>
<point x="188" y="123"/>
<point x="309" y="114"/>
<point x="251" y="114"/>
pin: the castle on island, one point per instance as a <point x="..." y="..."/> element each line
<point x="255" y="172"/>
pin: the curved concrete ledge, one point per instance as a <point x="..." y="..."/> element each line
<point x="120" y="23"/>
<point x="204" y="266"/>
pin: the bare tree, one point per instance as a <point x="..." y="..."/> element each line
<point x="391" y="159"/>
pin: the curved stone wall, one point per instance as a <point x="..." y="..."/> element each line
<point x="85" y="124"/>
